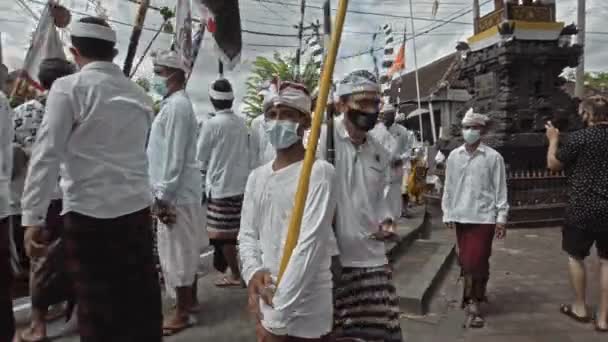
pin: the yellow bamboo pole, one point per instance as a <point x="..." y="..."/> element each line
<point x="298" y="208"/>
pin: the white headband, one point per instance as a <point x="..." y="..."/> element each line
<point x="218" y="95"/>
<point x="87" y="30"/>
<point x="290" y="96"/>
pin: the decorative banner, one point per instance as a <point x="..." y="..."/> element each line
<point x="227" y="30"/>
<point x="45" y="43"/>
<point x="182" y="42"/>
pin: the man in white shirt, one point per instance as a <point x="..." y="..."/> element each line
<point x="402" y="151"/>
<point x="7" y="327"/>
<point x="363" y="220"/>
<point x="300" y="307"/>
<point x="176" y="183"/>
<point x="96" y="127"/>
<point x="223" y="149"/>
<point x="475" y="205"/>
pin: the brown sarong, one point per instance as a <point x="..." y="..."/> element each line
<point x="116" y="284"/>
<point x="49" y="281"/>
<point x="7" y="320"/>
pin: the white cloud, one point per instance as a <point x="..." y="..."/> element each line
<point x="280" y="18"/>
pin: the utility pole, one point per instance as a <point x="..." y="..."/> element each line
<point x="475" y="16"/>
<point x="300" y="34"/>
<point x="579" y="89"/>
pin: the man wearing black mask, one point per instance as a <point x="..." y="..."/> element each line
<point x="363" y="220"/>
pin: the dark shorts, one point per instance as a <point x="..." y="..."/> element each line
<point x="577" y="242"/>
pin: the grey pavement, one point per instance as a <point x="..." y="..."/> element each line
<point x="529" y="280"/>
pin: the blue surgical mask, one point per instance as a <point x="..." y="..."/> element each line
<point x="282" y="133"/>
<point x="159" y="85"/>
<point x="471" y="136"/>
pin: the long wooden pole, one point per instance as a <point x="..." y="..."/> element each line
<point x="135" y="35"/>
<point x="416" y="71"/>
<point x="300" y="200"/>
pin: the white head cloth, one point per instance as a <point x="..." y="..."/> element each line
<point x="220" y="95"/>
<point x="388" y="108"/>
<point x="474" y="119"/>
<point x="400" y="117"/>
<point x="89" y="30"/>
<point x="293" y="95"/>
<point x="169" y="59"/>
<point x="358" y="82"/>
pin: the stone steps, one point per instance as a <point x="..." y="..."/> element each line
<point x="418" y="270"/>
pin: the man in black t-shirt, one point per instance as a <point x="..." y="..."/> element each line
<point x="584" y="157"/>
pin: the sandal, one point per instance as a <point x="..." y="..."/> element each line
<point x="226" y="282"/>
<point x="25" y="336"/>
<point x="170" y="330"/>
<point x="477" y="322"/>
<point x="566" y="309"/>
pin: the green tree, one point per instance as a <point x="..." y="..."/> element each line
<point x="265" y="69"/>
<point x="597" y="80"/>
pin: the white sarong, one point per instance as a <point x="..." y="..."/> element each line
<point x="179" y="246"/>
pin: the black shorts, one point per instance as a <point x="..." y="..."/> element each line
<point x="577" y="242"/>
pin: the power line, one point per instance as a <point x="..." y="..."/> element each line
<point x="386" y="15"/>
<point x="420" y="33"/>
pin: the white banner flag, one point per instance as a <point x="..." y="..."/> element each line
<point x="45" y="44"/>
<point x="183" y="32"/>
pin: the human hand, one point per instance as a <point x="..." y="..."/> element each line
<point x="552" y="132"/>
<point x="33" y="242"/>
<point x="258" y="288"/>
<point x="386" y="231"/>
<point x="264" y="335"/>
<point x="501" y="231"/>
<point x="164" y="212"/>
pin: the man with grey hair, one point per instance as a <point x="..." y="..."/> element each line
<point x="475" y="205"/>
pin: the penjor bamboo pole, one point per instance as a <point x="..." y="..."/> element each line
<point x="298" y="208"/>
<point x="135" y="35"/>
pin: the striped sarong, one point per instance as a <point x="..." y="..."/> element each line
<point x="366" y="305"/>
<point x="224" y="217"/>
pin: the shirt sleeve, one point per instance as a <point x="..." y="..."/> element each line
<point x="47" y="153"/>
<point x="175" y="144"/>
<point x="384" y="206"/>
<point x="569" y="151"/>
<point x="447" y="188"/>
<point x="250" y="251"/>
<point x="312" y="247"/>
<point x="6" y="153"/>
<point x="205" y="145"/>
<point x="405" y="152"/>
<point x="500" y="184"/>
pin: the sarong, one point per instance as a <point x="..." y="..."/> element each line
<point x="366" y="305"/>
<point x="179" y="246"/>
<point x="116" y="285"/>
<point x="223" y="223"/>
<point x="474" y="251"/>
<point x="7" y="320"/>
<point x="49" y="281"/>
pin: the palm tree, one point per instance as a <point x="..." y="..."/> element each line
<point x="264" y="69"/>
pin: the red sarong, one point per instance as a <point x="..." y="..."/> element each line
<point x="475" y="249"/>
<point x="7" y="320"/>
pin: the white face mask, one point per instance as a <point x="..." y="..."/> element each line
<point x="159" y="85"/>
<point x="282" y="133"/>
<point x="471" y="136"/>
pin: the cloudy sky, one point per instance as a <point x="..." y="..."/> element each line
<point x="280" y="16"/>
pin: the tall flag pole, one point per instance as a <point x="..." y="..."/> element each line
<point x="416" y="70"/>
<point x="182" y="40"/>
<point x="373" y="55"/>
<point x="226" y="31"/>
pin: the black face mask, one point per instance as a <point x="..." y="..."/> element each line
<point x="388" y="122"/>
<point x="361" y="120"/>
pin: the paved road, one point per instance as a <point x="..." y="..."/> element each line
<point x="529" y="281"/>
